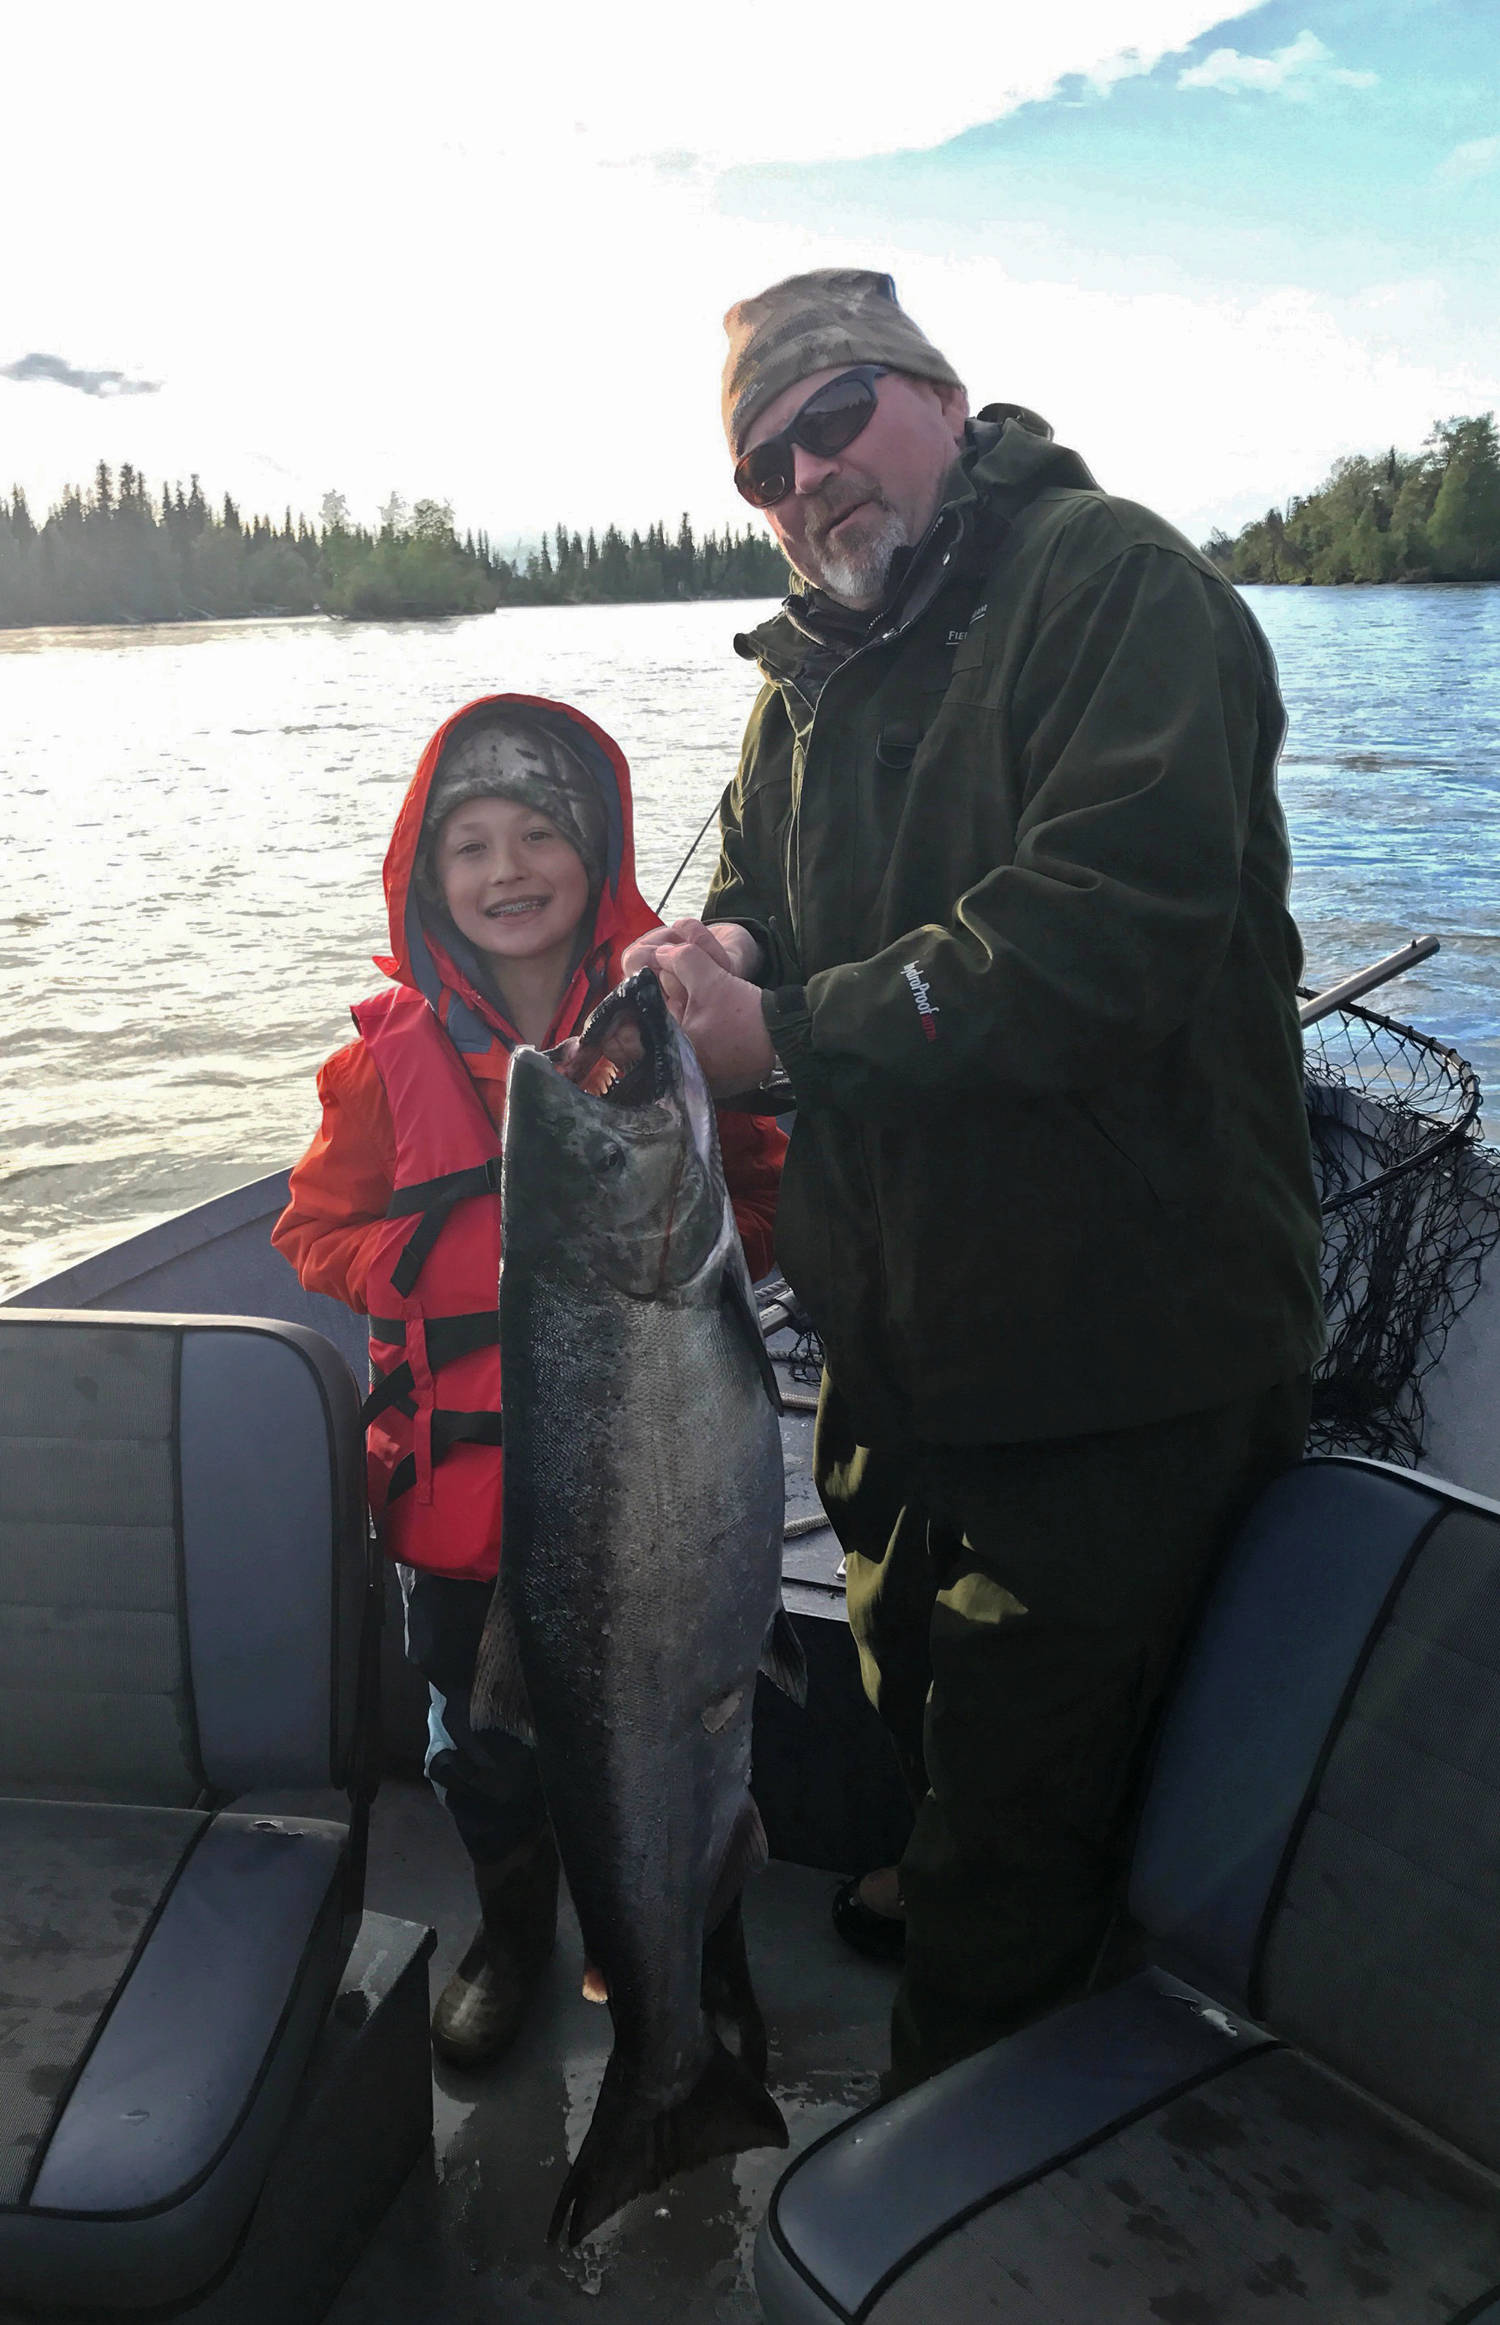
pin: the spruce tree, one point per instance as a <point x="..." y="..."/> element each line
<point x="1463" y="532"/>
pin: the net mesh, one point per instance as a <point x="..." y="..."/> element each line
<point x="1411" y="1209"/>
<point x="782" y="1312"/>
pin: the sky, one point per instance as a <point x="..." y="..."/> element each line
<point x="481" y="253"/>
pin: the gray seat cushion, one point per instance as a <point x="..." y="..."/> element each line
<point x="136" y="2152"/>
<point x="187" y="1584"/>
<point x="849" y="2213"/>
<point x="95" y="1683"/>
<point x="1382" y="1951"/>
<point x="1300" y="1594"/>
<point x="81" y="1886"/>
<point x="1141" y="2159"/>
<point x="1271" y="2194"/>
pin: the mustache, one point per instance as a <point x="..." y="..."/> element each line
<point x="833" y="501"/>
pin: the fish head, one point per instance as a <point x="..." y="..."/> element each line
<point x="612" y="1178"/>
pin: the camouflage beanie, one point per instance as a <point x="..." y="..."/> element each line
<point x="811" y="322"/>
<point x="507" y="757"/>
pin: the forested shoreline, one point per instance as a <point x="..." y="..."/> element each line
<point x="119" y="553"/>
<point x="1432" y="515"/>
<point x="116" y="552"/>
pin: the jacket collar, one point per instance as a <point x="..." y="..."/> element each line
<point x="1003" y="464"/>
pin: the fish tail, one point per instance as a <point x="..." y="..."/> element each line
<point x="628" y="2150"/>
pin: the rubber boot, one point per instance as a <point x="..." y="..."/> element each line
<point x="479" y="2011"/>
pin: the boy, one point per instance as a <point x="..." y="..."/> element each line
<point x="510" y="885"/>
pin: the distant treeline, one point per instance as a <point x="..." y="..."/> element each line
<point x="1432" y="515"/>
<point x="116" y="553"/>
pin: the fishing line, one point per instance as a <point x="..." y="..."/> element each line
<point x="687" y="859"/>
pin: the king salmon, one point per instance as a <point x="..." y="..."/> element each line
<point x="640" y="1576"/>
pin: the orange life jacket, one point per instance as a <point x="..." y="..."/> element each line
<point x="433" y="1417"/>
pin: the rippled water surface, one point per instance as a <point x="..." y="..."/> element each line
<point x="195" y="820"/>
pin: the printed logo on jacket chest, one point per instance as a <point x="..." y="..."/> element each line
<point x="926" y="1006"/>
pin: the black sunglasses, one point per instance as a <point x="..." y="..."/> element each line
<point x="832" y="417"/>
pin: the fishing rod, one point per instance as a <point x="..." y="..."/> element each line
<point x="687" y="859"/>
<point x="1334" y="997"/>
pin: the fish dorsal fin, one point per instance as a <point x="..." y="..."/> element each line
<point x="746" y="1852"/>
<point x="782" y="1659"/>
<point x="499" y="1698"/>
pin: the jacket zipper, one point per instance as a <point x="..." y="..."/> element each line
<point x="885" y="638"/>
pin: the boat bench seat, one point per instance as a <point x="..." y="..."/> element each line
<point x="1294" y="2110"/>
<point x="186" y="1599"/>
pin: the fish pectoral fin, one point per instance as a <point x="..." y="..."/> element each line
<point x="745" y="1853"/>
<point x="782" y="1659"/>
<point x="721" y="1711"/>
<point x="499" y="1698"/>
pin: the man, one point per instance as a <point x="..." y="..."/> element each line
<point x="1003" y="889"/>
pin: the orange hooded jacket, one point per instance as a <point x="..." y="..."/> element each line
<point x="337" y="1227"/>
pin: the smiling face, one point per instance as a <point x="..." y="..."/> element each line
<point x="512" y="884"/>
<point x="846" y="516"/>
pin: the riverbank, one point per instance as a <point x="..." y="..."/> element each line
<point x="1429" y="517"/>
<point x="117" y="555"/>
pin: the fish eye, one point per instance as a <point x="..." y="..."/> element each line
<point x="612" y="1159"/>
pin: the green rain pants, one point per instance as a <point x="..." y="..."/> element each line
<point x="1017" y="1609"/>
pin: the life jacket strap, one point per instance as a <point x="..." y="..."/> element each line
<point x="448" y="1430"/>
<point x="432" y="1200"/>
<point x="447" y="1188"/>
<point x="448" y="1338"/>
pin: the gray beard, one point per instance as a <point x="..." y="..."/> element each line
<point x="858" y="580"/>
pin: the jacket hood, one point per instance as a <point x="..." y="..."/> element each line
<point x="435" y="960"/>
<point x="1002" y="452"/>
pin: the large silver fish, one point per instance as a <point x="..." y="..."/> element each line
<point x="640" y="1575"/>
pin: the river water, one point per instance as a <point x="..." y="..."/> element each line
<point x="194" y="821"/>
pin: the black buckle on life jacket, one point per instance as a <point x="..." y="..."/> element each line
<point x="448" y="1338"/>
<point x="448" y="1430"/>
<point x="434" y="1199"/>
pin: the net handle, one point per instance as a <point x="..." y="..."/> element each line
<point x="1333" y="997"/>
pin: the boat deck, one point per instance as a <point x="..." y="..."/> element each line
<point x="466" y="2238"/>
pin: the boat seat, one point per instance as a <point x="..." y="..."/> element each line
<point x="1294" y="2110"/>
<point x="187" y="1595"/>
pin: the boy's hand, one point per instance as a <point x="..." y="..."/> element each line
<point x="728" y="945"/>
<point x="721" y="1015"/>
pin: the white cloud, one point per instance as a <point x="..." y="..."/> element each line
<point x="1293" y="71"/>
<point x="589" y="80"/>
<point x="426" y="265"/>
<point x="1476" y="159"/>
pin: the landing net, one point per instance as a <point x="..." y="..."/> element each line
<point x="1411" y="1210"/>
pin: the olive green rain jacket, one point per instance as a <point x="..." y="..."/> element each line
<point x="1015" y="851"/>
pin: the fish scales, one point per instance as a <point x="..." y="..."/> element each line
<point x="640" y="1580"/>
<point x="625" y="1654"/>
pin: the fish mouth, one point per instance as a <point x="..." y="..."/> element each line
<point x="626" y="1055"/>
